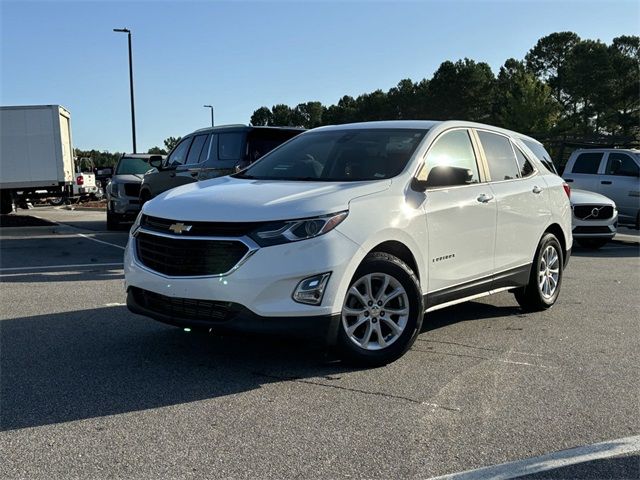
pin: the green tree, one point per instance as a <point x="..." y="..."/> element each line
<point x="308" y="115"/>
<point x="547" y="60"/>
<point x="171" y="142"/>
<point x="624" y="113"/>
<point x="262" y="117"/>
<point x="462" y="90"/>
<point x="157" y="151"/>
<point x="522" y="102"/>
<point x="282" y="115"/>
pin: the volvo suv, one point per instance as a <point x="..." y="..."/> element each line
<point x="353" y="233"/>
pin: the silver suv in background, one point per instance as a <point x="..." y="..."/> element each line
<point x="614" y="173"/>
<point x="123" y="190"/>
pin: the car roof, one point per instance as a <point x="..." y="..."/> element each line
<point x="240" y="127"/>
<point x="605" y="149"/>
<point x="146" y="156"/>
<point x="423" y="125"/>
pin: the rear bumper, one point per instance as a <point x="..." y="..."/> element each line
<point x="236" y="318"/>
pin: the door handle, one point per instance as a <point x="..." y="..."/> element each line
<point x="484" y="198"/>
<point x="606" y="182"/>
<point x="537" y="189"/>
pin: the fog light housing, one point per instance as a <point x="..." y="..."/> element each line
<point x="311" y="289"/>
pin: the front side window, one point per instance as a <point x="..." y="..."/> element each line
<point x="195" y="150"/>
<point x="587" y="163"/>
<point x="500" y="156"/>
<point x="451" y="160"/>
<point x="179" y="154"/>
<point x="622" y="165"/>
<point x="339" y="155"/>
<point x="132" y="166"/>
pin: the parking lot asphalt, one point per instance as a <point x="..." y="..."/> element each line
<point x="89" y="390"/>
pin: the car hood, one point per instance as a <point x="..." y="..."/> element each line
<point x="228" y="199"/>
<point x="128" y="178"/>
<point x="580" y="197"/>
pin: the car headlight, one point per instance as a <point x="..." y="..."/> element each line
<point x="294" y="230"/>
<point x="113" y="189"/>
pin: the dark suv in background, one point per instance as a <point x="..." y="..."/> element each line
<point x="212" y="152"/>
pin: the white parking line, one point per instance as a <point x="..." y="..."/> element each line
<point x="100" y="241"/>
<point x="551" y="461"/>
<point x="49" y="267"/>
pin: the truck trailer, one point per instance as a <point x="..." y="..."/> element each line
<point x="36" y="153"/>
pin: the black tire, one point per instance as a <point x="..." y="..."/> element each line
<point x="113" y="221"/>
<point x="592" y="243"/>
<point x="382" y="266"/>
<point x="531" y="298"/>
<point x="56" y="201"/>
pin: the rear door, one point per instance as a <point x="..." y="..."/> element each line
<point x="620" y="182"/>
<point x="584" y="170"/>
<point x="522" y="211"/>
<point x="461" y="222"/>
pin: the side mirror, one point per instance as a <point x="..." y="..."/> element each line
<point x="446" y="176"/>
<point x="155" y="161"/>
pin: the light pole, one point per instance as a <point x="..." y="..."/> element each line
<point x="133" y="111"/>
<point x="211" y="107"/>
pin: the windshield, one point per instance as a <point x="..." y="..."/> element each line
<point x="339" y="155"/>
<point x="132" y="166"/>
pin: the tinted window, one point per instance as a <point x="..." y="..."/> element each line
<point x="230" y="146"/>
<point x="524" y="165"/>
<point x="196" y="149"/>
<point x="541" y="154"/>
<point x="453" y="149"/>
<point x="621" y="164"/>
<point x="132" y="166"/>
<point x="500" y="156"/>
<point x="339" y="155"/>
<point x="209" y="147"/>
<point x="179" y="154"/>
<point x="587" y="163"/>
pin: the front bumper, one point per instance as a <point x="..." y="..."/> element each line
<point x="606" y="228"/>
<point x="261" y="287"/>
<point x="237" y="319"/>
<point x="126" y="206"/>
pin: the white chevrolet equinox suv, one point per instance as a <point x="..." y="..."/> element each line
<point x="353" y="232"/>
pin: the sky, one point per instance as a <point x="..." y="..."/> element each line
<point x="240" y="55"/>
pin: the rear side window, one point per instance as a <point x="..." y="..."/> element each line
<point x="622" y="165"/>
<point x="500" y="156"/>
<point x="524" y="165"/>
<point x="587" y="163"/>
<point x="541" y="154"/>
<point x="196" y="149"/>
<point x="453" y="149"/>
<point x="230" y="146"/>
<point x="179" y="154"/>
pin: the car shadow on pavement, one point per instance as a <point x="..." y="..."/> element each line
<point x="466" y="311"/>
<point x="91" y="363"/>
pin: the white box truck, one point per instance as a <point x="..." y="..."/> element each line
<point x="36" y="153"/>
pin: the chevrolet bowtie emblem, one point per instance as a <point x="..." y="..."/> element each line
<point x="180" y="227"/>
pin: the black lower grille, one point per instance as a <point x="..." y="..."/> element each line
<point x="183" y="257"/>
<point x="590" y="229"/>
<point x="183" y="308"/>
<point x="593" y="212"/>
<point x="132" y="189"/>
